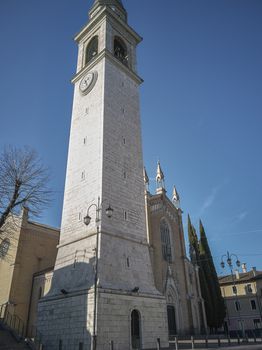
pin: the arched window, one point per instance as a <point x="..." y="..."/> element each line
<point x="135" y="329"/>
<point x="92" y="49"/>
<point x="165" y="241"/>
<point x="120" y="50"/>
<point x="4" y="247"/>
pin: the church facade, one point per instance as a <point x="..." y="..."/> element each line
<point x="175" y="276"/>
<point x="121" y="275"/>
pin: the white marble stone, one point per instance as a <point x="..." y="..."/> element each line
<point x="104" y="160"/>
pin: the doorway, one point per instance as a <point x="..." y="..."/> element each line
<point x="135" y="329"/>
<point x="171" y="317"/>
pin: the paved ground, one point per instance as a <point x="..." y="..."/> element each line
<point x="224" y="346"/>
<point x="213" y="345"/>
<point x="7" y="342"/>
<point x="233" y="347"/>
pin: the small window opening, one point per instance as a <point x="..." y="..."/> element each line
<point x="60" y="344"/>
<point x="125" y="215"/>
<point x="249" y="288"/>
<point x="234" y="289"/>
<point x="124" y="174"/>
<point x="87" y="111"/>
<point x="257" y="323"/>
<point x="83" y="175"/>
<point x="127" y="262"/>
<point x="237" y="305"/>
<point x="124" y="141"/>
<point x="80" y="216"/>
<point x="4" y="247"/>
<point x="253" y="304"/>
<point x="84" y="140"/>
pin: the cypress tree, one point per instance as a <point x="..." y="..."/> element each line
<point x="195" y="259"/>
<point x="216" y="310"/>
<point x="193" y="242"/>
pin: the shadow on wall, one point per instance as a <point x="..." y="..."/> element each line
<point x="65" y="316"/>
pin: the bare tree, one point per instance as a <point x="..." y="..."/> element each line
<point x="23" y="183"/>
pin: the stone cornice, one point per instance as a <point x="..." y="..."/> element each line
<point x="106" y="54"/>
<point x="85" y="236"/>
<point x="128" y="293"/>
<point x="101" y="291"/>
<point x="99" y="18"/>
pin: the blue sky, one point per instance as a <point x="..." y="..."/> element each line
<point x="201" y="103"/>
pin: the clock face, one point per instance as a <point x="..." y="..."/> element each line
<point x="88" y="82"/>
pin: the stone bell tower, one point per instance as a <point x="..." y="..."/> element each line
<point x="105" y="162"/>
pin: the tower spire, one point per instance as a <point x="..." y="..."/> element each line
<point x="115" y="5"/>
<point x="109" y="2"/>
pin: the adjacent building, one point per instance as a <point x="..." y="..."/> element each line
<point x="26" y="248"/>
<point x="242" y="292"/>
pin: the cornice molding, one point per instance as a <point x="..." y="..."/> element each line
<point x="93" y="233"/>
<point x="106" y="12"/>
<point x="106" y="54"/>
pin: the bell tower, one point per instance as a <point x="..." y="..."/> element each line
<point x="103" y="286"/>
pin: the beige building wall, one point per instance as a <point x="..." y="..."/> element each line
<point x="10" y="233"/>
<point x="32" y="249"/>
<point x="243" y="297"/>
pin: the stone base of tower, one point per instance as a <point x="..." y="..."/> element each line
<point x="115" y="318"/>
<point x="68" y="321"/>
<point x="64" y="322"/>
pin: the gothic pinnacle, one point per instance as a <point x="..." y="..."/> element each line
<point x="159" y="173"/>
<point x="175" y="195"/>
<point x="146" y="178"/>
